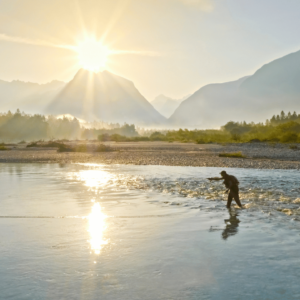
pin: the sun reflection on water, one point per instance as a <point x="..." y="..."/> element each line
<point x="96" y="228"/>
<point x="93" y="179"/>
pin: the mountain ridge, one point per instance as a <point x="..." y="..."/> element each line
<point x="272" y="88"/>
<point x="109" y="97"/>
<point x="112" y="98"/>
<point x="166" y="105"/>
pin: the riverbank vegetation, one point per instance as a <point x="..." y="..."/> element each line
<point x="66" y="147"/>
<point x="232" y="154"/>
<point x="3" y="148"/>
<point x="283" y="128"/>
<point x="84" y="148"/>
<point x="21" y="127"/>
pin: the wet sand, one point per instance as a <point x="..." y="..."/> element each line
<point x="259" y="155"/>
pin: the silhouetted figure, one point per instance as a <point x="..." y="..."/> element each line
<point x="232" y="185"/>
<point x="232" y="225"/>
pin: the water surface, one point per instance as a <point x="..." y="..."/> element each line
<point x="86" y="231"/>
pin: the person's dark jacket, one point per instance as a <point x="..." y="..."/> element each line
<point x="231" y="182"/>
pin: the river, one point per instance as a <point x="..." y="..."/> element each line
<point x="89" y="231"/>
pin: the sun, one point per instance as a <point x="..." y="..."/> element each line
<point x="92" y="55"/>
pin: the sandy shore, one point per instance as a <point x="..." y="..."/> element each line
<point x="259" y="155"/>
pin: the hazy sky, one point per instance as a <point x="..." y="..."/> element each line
<point x="177" y="45"/>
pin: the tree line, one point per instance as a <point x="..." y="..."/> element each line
<point x="19" y="126"/>
<point x="16" y="127"/>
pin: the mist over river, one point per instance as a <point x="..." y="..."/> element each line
<point x="91" y="231"/>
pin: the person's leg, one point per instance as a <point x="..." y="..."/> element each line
<point x="229" y="199"/>
<point x="236" y="197"/>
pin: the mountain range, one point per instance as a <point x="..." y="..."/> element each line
<point x="106" y="97"/>
<point x="89" y="96"/>
<point x="111" y="98"/>
<point x="272" y="88"/>
<point x="27" y="96"/>
<point x="166" y="105"/>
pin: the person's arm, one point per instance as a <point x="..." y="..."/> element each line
<point x="215" y="178"/>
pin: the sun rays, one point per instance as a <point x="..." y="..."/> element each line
<point x="91" y="54"/>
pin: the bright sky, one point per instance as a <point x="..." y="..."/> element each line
<point x="164" y="46"/>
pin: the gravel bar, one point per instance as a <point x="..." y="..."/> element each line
<point x="258" y="155"/>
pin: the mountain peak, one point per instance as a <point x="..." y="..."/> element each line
<point x="84" y="72"/>
<point x="104" y="96"/>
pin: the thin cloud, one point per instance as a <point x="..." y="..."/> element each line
<point x="146" y="53"/>
<point x="4" y="37"/>
<point x="13" y="39"/>
<point x="206" y="5"/>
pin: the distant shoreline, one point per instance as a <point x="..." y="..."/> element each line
<point x="258" y="155"/>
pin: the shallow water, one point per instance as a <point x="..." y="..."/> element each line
<point x="85" y="231"/>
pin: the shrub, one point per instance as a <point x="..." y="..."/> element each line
<point x="255" y="141"/>
<point x="47" y="145"/>
<point x="51" y="145"/>
<point x="119" y="138"/>
<point x="80" y="148"/>
<point x="233" y="154"/>
<point x="104" y="148"/>
<point x="157" y="136"/>
<point x="236" y="137"/>
<point x="200" y="141"/>
<point x="293" y="147"/>
<point x="289" y="137"/>
<point x="64" y="148"/>
<point x="103" y="137"/>
<point x="33" y="144"/>
<point x="3" y="148"/>
<point x="140" y="139"/>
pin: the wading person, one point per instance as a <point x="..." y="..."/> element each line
<point x="232" y="184"/>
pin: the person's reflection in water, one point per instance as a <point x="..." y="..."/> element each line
<point x="232" y="225"/>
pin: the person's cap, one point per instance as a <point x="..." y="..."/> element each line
<point x="223" y="173"/>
